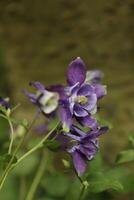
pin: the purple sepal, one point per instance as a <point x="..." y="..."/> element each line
<point x="88" y="121"/>
<point x="37" y="85"/>
<point x="31" y="96"/>
<point x="76" y="72"/>
<point x="96" y="133"/>
<point x="65" y="117"/>
<point x="59" y="89"/>
<point x="100" y="90"/>
<point x="79" y="162"/>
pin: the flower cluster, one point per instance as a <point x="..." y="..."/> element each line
<point x="76" y="105"/>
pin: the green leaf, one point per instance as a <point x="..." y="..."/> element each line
<point x="95" y="165"/>
<point x="105" y="180"/>
<point x="125" y="156"/>
<point x="102" y="182"/>
<point x="131" y="140"/>
<point x="52" y="145"/>
<point x="56" y="185"/>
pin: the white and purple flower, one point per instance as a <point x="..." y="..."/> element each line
<point x="81" y="96"/>
<point x="46" y="100"/>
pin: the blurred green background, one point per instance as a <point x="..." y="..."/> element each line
<point x="40" y="37"/>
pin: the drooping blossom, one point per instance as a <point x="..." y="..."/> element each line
<point x="47" y="101"/>
<point x="84" y="146"/>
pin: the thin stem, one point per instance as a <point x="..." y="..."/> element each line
<point x="82" y="192"/>
<point x="37" y="178"/>
<point x="10" y="166"/>
<point x="7" y="170"/>
<point x="36" y="147"/>
<point x="12" y="136"/>
<point x="84" y="185"/>
<point x="12" y="132"/>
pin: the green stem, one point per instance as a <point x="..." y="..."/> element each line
<point x="12" y="132"/>
<point x="82" y="192"/>
<point x="37" y="178"/>
<point x="36" y="147"/>
<point x="7" y="170"/>
<point x="84" y="185"/>
<point x="12" y="136"/>
<point x="10" y="166"/>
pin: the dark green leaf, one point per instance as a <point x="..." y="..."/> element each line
<point x="131" y="140"/>
<point x="125" y="156"/>
<point x="105" y="180"/>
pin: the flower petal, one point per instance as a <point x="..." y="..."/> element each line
<point x="94" y="76"/>
<point x="75" y="130"/>
<point x="37" y="85"/>
<point x="59" y="89"/>
<point x="88" y="121"/>
<point x="89" y="151"/>
<point x="85" y="90"/>
<point x="66" y="118"/>
<point x="90" y="105"/>
<point x="76" y="72"/>
<point x="96" y="133"/>
<point x="48" y="101"/>
<point x="77" y="138"/>
<point x="31" y="96"/>
<point x="100" y="90"/>
<point x="79" y="111"/>
<point x="79" y="161"/>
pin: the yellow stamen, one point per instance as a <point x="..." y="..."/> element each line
<point x="82" y="99"/>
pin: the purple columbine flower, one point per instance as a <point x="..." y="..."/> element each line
<point x="84" y="146"/>
<point x="46" y="100"/>
<point x="81" y="97"/>
<point x="5" y="103"/>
